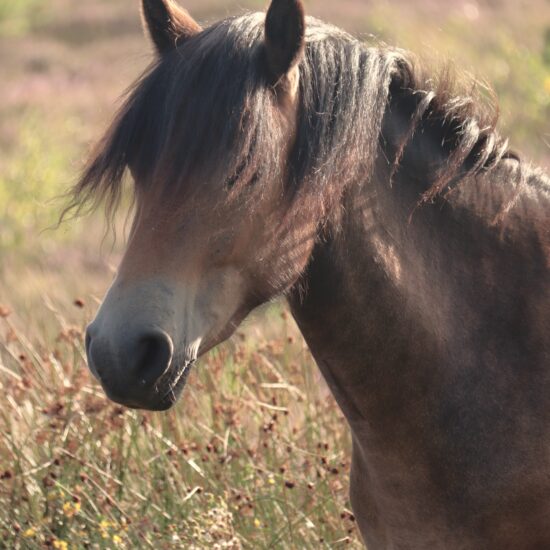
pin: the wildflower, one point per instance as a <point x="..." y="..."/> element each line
<point x="104" y="527"/>
<point x="104" y="524"/>
<point x="60" y="545"/>
<point x="117" y="539"/>
<point x="29" y="533"/>
<point x="257" y="523"/>
<point x="70" y="509"/>
<point x="271" y="480"/>
<point x="547" y="84"/>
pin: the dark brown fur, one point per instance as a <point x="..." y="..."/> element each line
<point x="426" y="297"/>
<point x="345" y="89"/>
<point x="167" y="24"/>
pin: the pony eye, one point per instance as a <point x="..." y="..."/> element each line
<point x="232" y="180"/>
<point x="254" y="179"/>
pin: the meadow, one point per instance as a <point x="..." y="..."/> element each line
<point x="256" y="454"/>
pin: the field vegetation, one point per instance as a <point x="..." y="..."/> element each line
<point x="256" y="454"/>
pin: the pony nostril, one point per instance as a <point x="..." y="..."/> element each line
<point x="153" y="356"/>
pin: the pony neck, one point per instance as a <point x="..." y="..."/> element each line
<point x="352" y="312"/>
<point x="392" y="299"/>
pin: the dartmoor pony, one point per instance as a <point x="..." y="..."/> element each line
<point x="280" y="156"/>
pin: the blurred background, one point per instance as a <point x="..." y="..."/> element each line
<point x="256" y="454"/>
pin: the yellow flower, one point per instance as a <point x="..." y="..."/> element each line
<point x="547" y="84"/>
<point x="257" y="523"/>
<point x="117" y="540"/>
<point x="70" y="509"/>
<point x="60" y="545"/>
<point x="104" y="524"/>
<point x="30" y="532"/>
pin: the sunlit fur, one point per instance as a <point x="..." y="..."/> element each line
<point x="211" y="98"/>
<point x="412" y="246"/>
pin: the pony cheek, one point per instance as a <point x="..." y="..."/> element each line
<point x="219" y="304"/>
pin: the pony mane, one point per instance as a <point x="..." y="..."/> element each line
<point x="211" y="99"/>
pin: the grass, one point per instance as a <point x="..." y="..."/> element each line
<point x="30" y="180"/>
<point x="256" y="454"/>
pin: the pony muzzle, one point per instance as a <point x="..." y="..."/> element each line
<point x="137" y="368"/>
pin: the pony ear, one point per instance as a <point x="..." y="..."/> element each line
<point x="167" y="24"/>
<point x="285" y="28"/>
